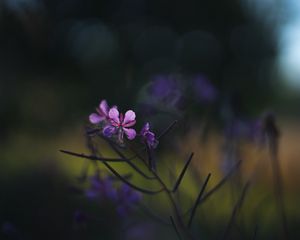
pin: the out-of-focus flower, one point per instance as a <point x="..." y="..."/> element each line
<point x="148" y="137"/>
<point x="166" y="89"/>
<point x="120" y="124"/>
<point x="102" y="113"/>
<point x="127" y="199"/>
<point x="242" y="129"/>
<point x="203" y="89"/>
<point x="101" y="189"/>
<point x="164" y="93"/>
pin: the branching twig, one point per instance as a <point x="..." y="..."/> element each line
<point x="92" y="157"/>
<point x="175" y="228"/>
<point x="217" y="187"/>
<point x="131" y="164"/>
<point x="105" y="162"/>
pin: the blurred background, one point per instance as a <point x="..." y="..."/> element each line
<point x="212" y="65"/>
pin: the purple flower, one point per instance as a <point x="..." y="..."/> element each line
<point x="166" y="90"/>
<point x="102" y="113"/>
<point x="244" y="129"/>
<point x="120" y="124"/>
<point x="148" y="137"/>
<point x="203" y="89"/>
<point x="101" y="189"/>
<point x="128" y="198"/>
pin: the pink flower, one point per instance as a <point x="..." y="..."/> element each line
<point x="148" y="136"/>
<point x="102" y="113"/>
<point x="120" y="124"/>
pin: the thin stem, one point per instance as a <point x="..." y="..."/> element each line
<point x="153" y="215"/>
<point x="175" y="228"/>
<point x="217" y="187"/>
<point x="131" y="164"/>
<point x="169" y="195"/>
<point x="92" y="157"/>
<point x="198" y="200"/>
<point x="151" y="192"/>
<point x="167" y="130"/>
<point x="235" y="211"/>
<point x="174" y="205"/>
<point x="105" y="162"/>
<point x="221" y="183"/>
<point x="182" y="173"/>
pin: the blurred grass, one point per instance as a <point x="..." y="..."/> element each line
<point x="25" y="152"/>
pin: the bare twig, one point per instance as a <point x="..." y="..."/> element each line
<point x="153" y="215"/>
<point x="182" y="173"/>
<point x="131" y="164"/>
<point x="167" y="130"/>
<point x="198" y="200"/>
<point x="217" y="187"/>
<point x="105" y="162"/>
<point x="92" y="157"/>
<point x="175" y="228"/>
<point x="235" y="211"/>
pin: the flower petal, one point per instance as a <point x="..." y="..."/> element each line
<point x="129" y="119"/>
<point x="109" y="130"/>
<point x="114" y="115"/>
<point x="95" y="118"/>
<point x="130" y="133"/>
<point x="145" y="129"/>
<point x="103" y="107"/>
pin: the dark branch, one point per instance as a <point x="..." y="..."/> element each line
<point x="151" y="192"/>
<point x="198" y="200"/>
<point x="175" y="228"/>
<point x="237" y="206"/>
<point x="149" y="212"/>
<point x="128" y="161"/>
<point x="221" y="183"/>
<point x="167" y="130"/>
<point x="182" y="173"/>
<point x="92" y="157"/>
<point x="217" y="187"/>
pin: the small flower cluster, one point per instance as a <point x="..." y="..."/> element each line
<point x="102" y="189"/>
<point x="114" y="123"/>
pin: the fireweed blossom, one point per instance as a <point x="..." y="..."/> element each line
<point x="148" y="137"/>
<point x="102" y="113"/>
<point x="120" y="124"/>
